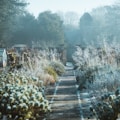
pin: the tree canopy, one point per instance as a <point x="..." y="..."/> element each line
<point x="50" y="29"/>
<point x="8" y="10"/>
<point x="44" y="31"/>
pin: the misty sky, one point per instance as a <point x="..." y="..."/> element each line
<point x="79" y="6"/>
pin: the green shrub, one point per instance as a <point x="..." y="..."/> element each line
<point x="86" y="76"/>
<point x="51" y="71"/>
<point x="58" y="67"/>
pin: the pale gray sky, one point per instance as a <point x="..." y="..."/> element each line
<point x="79" y="6"/>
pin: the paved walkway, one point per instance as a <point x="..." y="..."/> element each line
<point x="66" y="101"/>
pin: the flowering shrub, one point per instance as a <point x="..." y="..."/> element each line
<point x="22" y="97"/>
<point x="108" y="107"/>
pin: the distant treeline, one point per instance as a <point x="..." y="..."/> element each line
<point x="53" y="29"/>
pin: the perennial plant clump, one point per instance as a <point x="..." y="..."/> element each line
<point x="58" y="67"/>
<point x="22" y="97"/>
<point x="98" y="71"/>
<point x="108" y="106"/>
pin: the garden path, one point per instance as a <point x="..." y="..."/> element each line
<point x="66" y="101"/>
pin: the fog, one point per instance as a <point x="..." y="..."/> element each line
<point x="70" y="46"/>
<point x="67" y="23"/>
<point x="78" y="6"/>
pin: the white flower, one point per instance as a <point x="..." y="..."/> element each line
<point x="14" y="106"/>
<point x="6" y="95"/>
<point x="8" y="107"/>
<point x="11" y="99"/>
